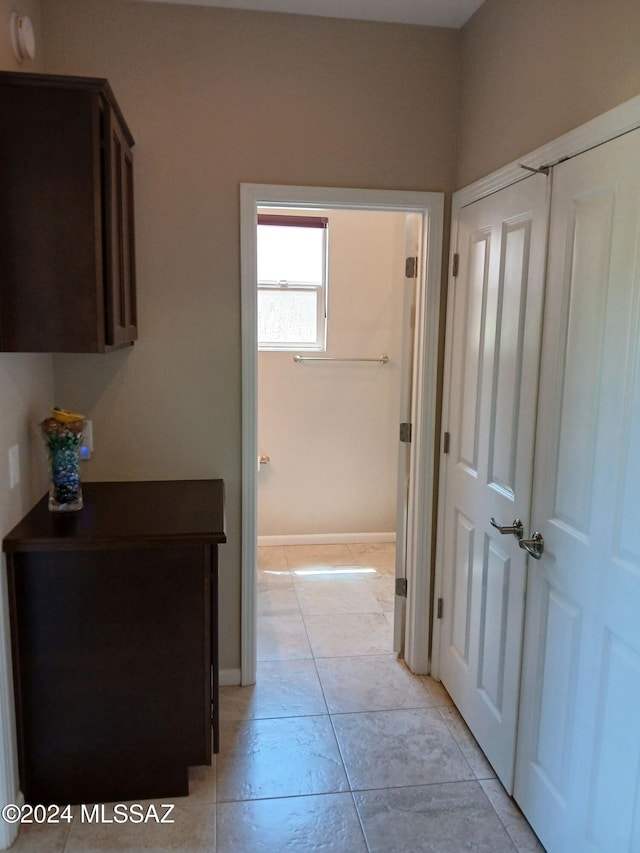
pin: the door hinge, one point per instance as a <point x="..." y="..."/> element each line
<point x="401" y="587"/>
<point x="446" y="441"/>
<point x="455" y="264"/>
<point x="405" y="432"/>
<point x="411" y="268"/>
<point x="439" y="610"/>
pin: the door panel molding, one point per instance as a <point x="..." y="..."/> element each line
<point x="509" y="348"/>
<point x="496" y="574"/>
<point x="475" y="309"/>
<point x="459" y="637"/>
<point x="615" y="767"/>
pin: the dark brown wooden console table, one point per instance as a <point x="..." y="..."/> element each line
<point x="114" y="622"/>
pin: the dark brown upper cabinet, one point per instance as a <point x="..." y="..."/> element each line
<point x="67" y="251"/>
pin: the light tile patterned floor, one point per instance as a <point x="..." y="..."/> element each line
<point x="337" y="748"/>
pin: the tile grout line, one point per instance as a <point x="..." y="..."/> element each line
<point x="506" y="828"/>
<point x="330" y="715"/>
<point x="479" y="780"/>
<point x="466" y="762"/>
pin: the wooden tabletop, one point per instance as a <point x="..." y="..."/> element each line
<point x="127" y="514"/>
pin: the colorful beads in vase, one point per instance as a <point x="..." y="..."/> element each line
<point x="63" y="439"/>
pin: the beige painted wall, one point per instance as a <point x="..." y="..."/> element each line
<point x="531" y="71"/>
<point x="26" y="392"/>
<point x="331" y="429"/>
<point x="26" y="380"/>
<point x="215" y="98"/>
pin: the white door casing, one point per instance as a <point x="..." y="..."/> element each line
<point x="413" y="234"/>
<point x="578" y="761"/>
<point x="493" y="349"/>
<point x="430" y="206"/>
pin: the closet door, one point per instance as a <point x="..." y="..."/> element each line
<point x="493" y="351"/>
<point x="578" y="761"/>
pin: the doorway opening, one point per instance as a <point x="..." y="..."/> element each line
<point x="331" y="327"/>
<point x="412" y="620"/>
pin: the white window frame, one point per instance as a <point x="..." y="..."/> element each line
<point x="320" y="288"/>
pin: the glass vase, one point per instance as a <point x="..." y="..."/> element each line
<point x="63" y="442"/>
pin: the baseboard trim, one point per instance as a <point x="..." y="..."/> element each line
<point x="326" y="538"/>
<point x="229" y="677"/>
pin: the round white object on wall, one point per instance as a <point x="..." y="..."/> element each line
<point x="22" y="37"/>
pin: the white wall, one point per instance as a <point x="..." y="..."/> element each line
<point x="331" y="429"/>
<point x="26" y="392"/>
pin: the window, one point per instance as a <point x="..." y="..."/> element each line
<point x="292" y="282"/>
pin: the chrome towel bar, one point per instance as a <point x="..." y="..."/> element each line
<point x="382" y="359"/>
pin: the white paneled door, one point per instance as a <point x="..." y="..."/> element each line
<point x="578" y="762"/>
<point x="493" y="351"/>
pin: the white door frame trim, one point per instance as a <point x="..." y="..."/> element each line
<point x="615" y="122"/>
<point x="425" y="383"/>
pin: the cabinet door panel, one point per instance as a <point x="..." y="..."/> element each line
<point x="114" y="671"/>
<point x="66" y="217"/>
<point x="48" y="222"/>
<point x="120" y="308"/>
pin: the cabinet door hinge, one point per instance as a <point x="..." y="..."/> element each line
<point x="411" y="268"/>
<point x="455" y="264"/>
<point x="439" y="610"/>
<point x="446" y="442"/>
<point x="405" y="432"/>
<point x="401" y="587"/>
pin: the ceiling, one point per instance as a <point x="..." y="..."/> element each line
<point x="433" y="13"/>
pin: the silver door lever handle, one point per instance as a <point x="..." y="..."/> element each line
<point x="534" y="546"/>
<point x="515" y="528"/>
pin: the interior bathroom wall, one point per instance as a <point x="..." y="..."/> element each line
<point x="330" y="429"/>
